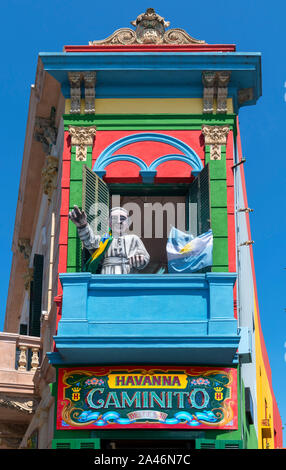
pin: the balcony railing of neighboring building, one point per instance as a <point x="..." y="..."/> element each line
<point x="19" y="360"/>
<point x="266" y="429"/>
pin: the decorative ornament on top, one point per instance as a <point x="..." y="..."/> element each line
<point x="150" y="29"/>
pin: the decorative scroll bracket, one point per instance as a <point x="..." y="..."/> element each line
<point x="215" y="86"/>
<point x="215" y="137"/>
<point x="89" y="80"/>
<point x="81" y="138"/>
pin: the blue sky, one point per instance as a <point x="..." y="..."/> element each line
<point x="29" y="27"/>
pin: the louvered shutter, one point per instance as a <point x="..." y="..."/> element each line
<point x="88" y="444"/>
<point x="230" y="444"/>
<point x="198" y="200"/>
<point x="62" y="444"/>
<point x="206" y="444"/>
<point x="76" y="444"/>
<point x="95" y="201"/>
<point x="218" y="444"/>
<point x="199" y="193"/>
<point x="36" y="296"/>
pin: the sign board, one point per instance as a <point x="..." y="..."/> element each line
<point x="123" y="397"/>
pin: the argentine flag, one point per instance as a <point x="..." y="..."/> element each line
<point x="187" y="254"/>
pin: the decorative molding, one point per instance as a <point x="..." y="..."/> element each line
<point x="24" y="247"/>
<point x="24" y="404"/>
<point x="45" y="131"/>
<point x="75" y="93"/>
<point x="179" y="36"/>
<point x="49" y="176"/>
<point x="222" y="90"/>
<point x="28" y="276"/>
<point x="215" y="134"/>
<point x="208" y="79"/>
<point x="245" y="94"/>
<point x="123" y="36"/>
<point x="215" y="137"/>
<point x="81" y="138"/>
<point x="188" y="155"/>
<point x="215" y="86"/>
<point x="150" y="29"/>
<point x="149" y="123"/>
<point x="89" y="89"/>
<point x="89" y="79"/>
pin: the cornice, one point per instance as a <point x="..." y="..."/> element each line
<point x="149" y="121"/>
<point x="152" y="48"/>
<point x="55" y="61"/>
<point x="143" y="74"/>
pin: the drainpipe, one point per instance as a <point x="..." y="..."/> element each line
<point x="236" y="199"/>
<point x="51" y="263"/>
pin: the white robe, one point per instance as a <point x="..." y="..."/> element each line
<point x="115" y="260"/>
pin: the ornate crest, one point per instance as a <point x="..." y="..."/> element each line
<point x="150" y="29"/>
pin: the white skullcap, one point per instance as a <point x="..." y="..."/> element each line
<point x="119" y="209"/>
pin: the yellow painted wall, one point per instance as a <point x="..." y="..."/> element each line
<point x="264" y="394"/>
<point x="149" y="106"/>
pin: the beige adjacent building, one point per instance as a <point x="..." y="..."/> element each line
<point x="26" y="402"/>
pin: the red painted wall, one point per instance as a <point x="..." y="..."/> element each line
<point x="148" y="151"/>
<point x="64" y="210"/>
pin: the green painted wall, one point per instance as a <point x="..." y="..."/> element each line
<point x="74" y="254"/>
<point x="245" y="431"/>
<point x="249" y="431"/>
<point x="218" y="208"/>
<point x="149" y="121"/>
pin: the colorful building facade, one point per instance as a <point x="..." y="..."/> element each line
<point x="147" y="120"/>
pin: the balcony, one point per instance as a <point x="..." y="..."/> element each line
<point x="19" y="359"/>
<point x="266" y="428"/>
<point x="166" y="319"/>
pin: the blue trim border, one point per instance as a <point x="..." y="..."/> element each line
<point x="148" y="173"/>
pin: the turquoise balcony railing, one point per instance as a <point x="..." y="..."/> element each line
<point x="171" y="319"/>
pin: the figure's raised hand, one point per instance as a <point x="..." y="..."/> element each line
<point x="78" y="217"/>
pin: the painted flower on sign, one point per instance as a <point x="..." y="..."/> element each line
<point x="200" y="381"/>
<point x="94" y="381"/>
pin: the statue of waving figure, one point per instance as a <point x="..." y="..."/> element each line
<point x="124" y="254"/>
